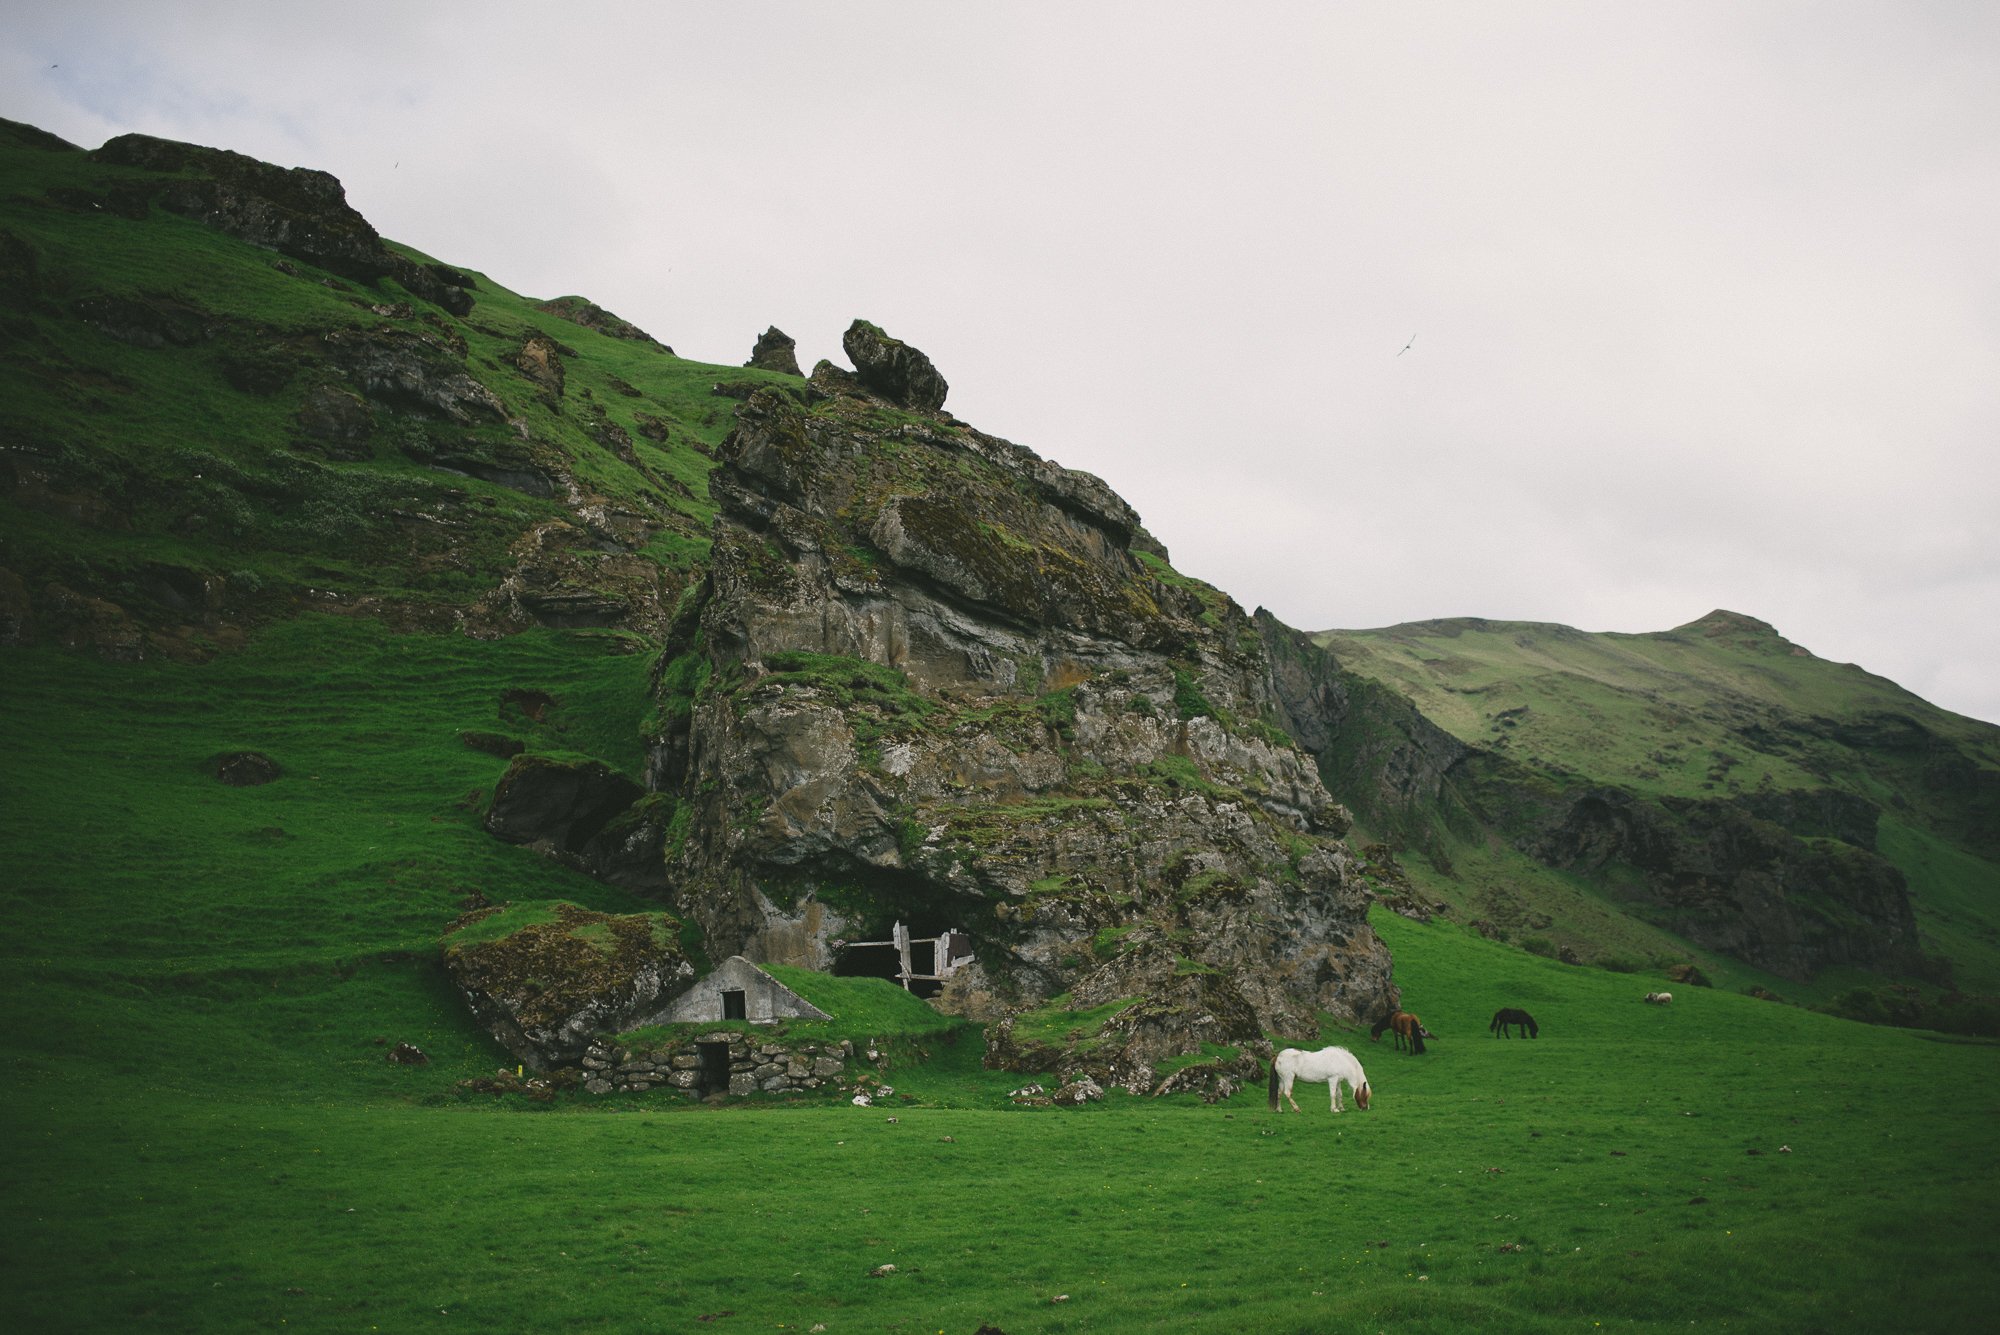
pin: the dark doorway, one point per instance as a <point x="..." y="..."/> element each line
<point x="713" y="1075"/>
<point x="883" y="962"/>
<point x="733" y="1007"/>
<point x="866" y="962"/>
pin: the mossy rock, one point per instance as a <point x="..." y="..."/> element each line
<point x="546" y="978"/>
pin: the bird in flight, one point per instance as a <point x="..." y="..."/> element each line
<point x="1407" y="346"/>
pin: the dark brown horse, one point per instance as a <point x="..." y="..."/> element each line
<point x="1408" y="1029"/>
<point x="1514" y="1016"/>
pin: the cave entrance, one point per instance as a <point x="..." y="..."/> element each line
<point x="921" y="964"/>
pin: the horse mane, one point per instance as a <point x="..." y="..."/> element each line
<point x="1381" y="1025"/>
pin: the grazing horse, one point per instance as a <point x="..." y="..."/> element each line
<point x="1332" y="1065"/>
<point x="1514" y="1016"/>
<point x="1660" y="998"/>
<point x="1408" y="1029"/>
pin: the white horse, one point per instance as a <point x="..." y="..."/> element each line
<point x="1332" y="1065"/>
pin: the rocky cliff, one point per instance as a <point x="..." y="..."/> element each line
<point x="934" y="678"/>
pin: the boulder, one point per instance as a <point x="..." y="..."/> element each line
<point x="247" y="769"/>
<point x="892" y="368"/>
<point x="587" y="816"/>
<point x="78" y="620"/>
<point x="547" y="979"/>
<point x="558" y="802"/>
<point x="295" y="211"/>
<point x="774" y="352"/>
<point x="540" y="361"/>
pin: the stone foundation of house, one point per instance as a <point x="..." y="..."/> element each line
<point x="723" y="1062"/>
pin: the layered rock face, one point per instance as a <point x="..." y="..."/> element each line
<point x="935" y="678"/>
<point x="1732" y="877"/>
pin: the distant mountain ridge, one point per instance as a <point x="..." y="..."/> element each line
<point x="1715" y="779"/>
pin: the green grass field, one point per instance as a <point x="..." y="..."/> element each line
<point x="200" y="983"/>
<point x="1625" y="1171"/>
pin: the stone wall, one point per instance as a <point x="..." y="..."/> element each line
<point x="754" y="1065"/>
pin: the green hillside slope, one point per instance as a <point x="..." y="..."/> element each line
<point x="202" y="433"/>
<point x="1722" y="714"/>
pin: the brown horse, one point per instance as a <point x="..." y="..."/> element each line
<point x="1408" y="1029"/>
<point x="1514" y="1016"/>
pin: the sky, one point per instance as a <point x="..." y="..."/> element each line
<point x="1602" y="314"/>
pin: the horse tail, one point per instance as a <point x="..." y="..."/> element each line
<point x="1494" y="1028"/>
<point x="1417" y="1039"/>
<point x="1274" y="1084"/>
<point x="1534" y="1030"/>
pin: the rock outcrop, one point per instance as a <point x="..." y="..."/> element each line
<point x="590" y="315"/>
<point x="546" y="980"/>
<point x="775" y="351"/>
<point x="413" y="369"/>
<point x="934" y="678"/>
<point x="892" y="368"/>
<point x="1734" y="881"/>
<point x="540" y="361"/>
<point x="293" y="210"/>
<point x="584" y="814"/>
<point x="1171" y="1006"/>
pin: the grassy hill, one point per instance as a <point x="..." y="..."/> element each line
<point x="1721" y="710"/>
<point x="202" y="982"/>
<point x="202" y="434"/>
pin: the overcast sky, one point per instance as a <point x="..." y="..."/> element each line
<point x="1705" y="298"/>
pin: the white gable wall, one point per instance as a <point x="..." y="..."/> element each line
<point x="764" y="998"/>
